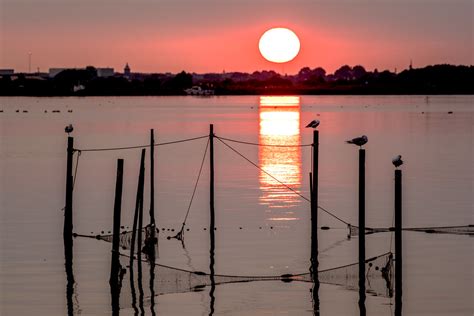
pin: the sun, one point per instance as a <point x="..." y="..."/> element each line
<point x="279" y="45"/>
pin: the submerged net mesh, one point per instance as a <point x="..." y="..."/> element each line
<point x="167" y="279"/>
<point x="457" y="230"/>
<point x="126" y="237"/>
<point x="379" y="274"/>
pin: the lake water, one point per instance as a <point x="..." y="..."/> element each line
<point x="262" y="227"/>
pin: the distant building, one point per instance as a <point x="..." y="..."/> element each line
<point x="6" y="72"/>
<point x="105" y="72"/>
<point x="126" y="71"/>
<point x="55" y="71"/>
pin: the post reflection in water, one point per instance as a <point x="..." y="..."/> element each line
<point x="279" y="124"/>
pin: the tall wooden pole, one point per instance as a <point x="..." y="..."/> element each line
<point x="212" y="225"/>
<point x="152" y="179"/>
<point x="398" y="242"/>
<point x="314" y="221"/>
<point x="68" y="226"/>
<point x="151" y="241"/>
<point x="362" y="232"/>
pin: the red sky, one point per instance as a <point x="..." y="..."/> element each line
<point x="212" y="36"/>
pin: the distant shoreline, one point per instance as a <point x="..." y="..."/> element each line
<point x="430" y="80"/>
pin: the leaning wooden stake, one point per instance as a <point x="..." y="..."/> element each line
<point x="362" y="232"/>
<point x="115" y="266"/>
<point x="135" y="227"/>
<point x="398" y="242"/>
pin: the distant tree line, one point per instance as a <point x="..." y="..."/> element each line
<point x="437" y="79"/>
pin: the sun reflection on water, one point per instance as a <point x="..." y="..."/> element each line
<point x="279" y="124"/>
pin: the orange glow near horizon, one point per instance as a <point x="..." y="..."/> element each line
<point x="279" y="124"/>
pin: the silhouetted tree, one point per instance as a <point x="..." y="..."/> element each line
<point x="343" y="73"/>
<point x="358" y="72"/>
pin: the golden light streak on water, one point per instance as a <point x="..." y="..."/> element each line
<point x="279" y="124"/>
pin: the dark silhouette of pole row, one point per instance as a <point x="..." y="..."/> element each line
<point x="116" y="273"/>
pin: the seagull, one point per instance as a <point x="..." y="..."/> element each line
<point x="359" y="141"/>
<point x="397" y="161"/>
<point x="313" y="124"/>
<point x="68" y="129"/>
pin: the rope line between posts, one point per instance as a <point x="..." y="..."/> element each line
<point x="142" y="146"/>
<point x="274" y="178"/>
<point x="75" y="169"/>
<point x="196" y="184"/>
<point x="261" y="145"/>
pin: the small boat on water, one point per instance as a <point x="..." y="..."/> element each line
<point x="196" y="90"/>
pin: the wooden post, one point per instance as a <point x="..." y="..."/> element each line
<point x="362" y="232"/>
<point x="115" y="266"/>
<point x="398" y="242"/>
<point x="68" y="226"/>
<point x="212" y="224"/>
<point x="141" y="178"/>
<point x="152" y="178"/>
<point x="140" y="212"/>
<point x="314" y="220"/>
<point x="151" y="242"/>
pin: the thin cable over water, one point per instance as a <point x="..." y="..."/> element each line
<point x="261" y="145"/>
<point x="196" y="184"/>
<point x="285" y="185"/>
<point x="142" y="146"/>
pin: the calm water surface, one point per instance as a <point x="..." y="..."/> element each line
<point x="262" y="227"/>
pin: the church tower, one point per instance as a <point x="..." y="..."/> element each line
<point x="126" y="71"/>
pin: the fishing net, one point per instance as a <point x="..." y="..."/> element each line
<point x="126" y="237"/>
<point x="168" y="280"/>
<point x="457" y="230"/>
<point x="378" y="274"/>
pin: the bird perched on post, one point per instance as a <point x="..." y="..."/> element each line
<point x="359" y="141"/>
<point x="313" y="124"/>
<point x="68" y="129"/>
<point x="397" y="161"/>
